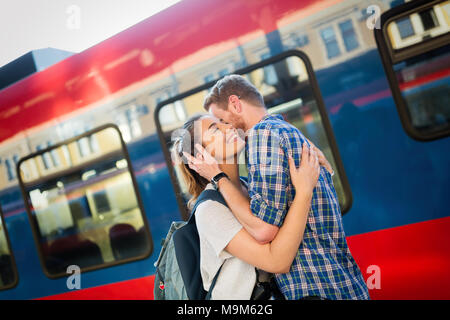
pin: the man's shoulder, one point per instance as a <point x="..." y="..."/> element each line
<point x="273" y="125"/>
<point x="276" y="127"/>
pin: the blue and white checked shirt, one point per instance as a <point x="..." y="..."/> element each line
<point x="323" y="265"/>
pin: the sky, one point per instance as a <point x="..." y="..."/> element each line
<point x="72" y="25"/>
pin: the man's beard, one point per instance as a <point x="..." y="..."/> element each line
<point x="238" y="123"/>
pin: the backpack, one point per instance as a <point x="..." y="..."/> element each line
<point x="178" y="274"/>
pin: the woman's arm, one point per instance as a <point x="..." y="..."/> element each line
<point x="238" y="203"/>
<point x="277" y="256"/>
<point x="322" y="160"/>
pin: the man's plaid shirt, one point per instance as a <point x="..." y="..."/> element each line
<point x="323" y="265"/>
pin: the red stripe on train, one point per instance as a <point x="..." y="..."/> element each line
<point x="414" y="263"/>
<point x="414" y="260"/>
<point x="136" y="289"/>
<point x="439" y="75"/>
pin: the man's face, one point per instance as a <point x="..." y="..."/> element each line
<point x="227" y="116"/>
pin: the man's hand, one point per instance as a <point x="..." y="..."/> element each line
<point x="204" y="164"/>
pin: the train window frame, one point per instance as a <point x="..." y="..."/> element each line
<point x="13" y="260"/>
<point x="390" y="56"/>
<point x="263" y="63"/>
<point x="33" y="222"/>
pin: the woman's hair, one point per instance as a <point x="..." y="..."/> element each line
<point x="185" y="142"/>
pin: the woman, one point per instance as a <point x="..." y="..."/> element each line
<point x="223" y="241"/>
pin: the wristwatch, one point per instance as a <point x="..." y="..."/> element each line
<point x="217" y="177"/>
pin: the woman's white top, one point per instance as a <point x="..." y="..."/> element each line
<point x="216" y="226"/>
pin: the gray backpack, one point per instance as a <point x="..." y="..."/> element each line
<point x="178" y="274"/>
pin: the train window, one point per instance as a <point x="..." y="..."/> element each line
<point x="8" y="270"/>
<point x="329" y="39"/>
<point x="349" y="35"/>
<point x="405" y="27"/>
<point x="9" y="170"/>
<point x="414" y="43"/>
<point x="292" y="91"/>
<point x="87" y="212"/>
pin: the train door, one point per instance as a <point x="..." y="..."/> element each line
<point x="288" y="85"/>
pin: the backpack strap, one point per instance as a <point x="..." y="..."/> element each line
<point x="212" y="194"/>
<point x="209" y="194"/>
<point x="213" y="284"/>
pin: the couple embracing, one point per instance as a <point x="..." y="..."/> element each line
<point x="285" y="219"/>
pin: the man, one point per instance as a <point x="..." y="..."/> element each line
<point x="324" y="267"/>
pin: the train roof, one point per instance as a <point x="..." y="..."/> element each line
<point x="29" y="63"/>
<point x="170" y="41"/>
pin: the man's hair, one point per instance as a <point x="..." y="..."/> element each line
<point x="233" y="85"/>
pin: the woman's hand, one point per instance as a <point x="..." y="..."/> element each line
<point x="305" y="177"/>
<point x="322" y="160"/>
<point x="204" y="163"/>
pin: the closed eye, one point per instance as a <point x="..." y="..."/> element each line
<point x="213" y="128"/>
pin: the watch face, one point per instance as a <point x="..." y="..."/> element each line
<point x="216" y="179"/>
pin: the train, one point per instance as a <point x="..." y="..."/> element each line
<point x="86" y="176"/>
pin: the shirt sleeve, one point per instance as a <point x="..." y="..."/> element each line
<point x="217" y="225"/>
<point x="269" y="181"/>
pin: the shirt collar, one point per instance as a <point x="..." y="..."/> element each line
<point x="273" y="116"/>
<point x="266" y="117"/>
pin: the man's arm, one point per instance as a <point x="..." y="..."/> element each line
<point x="263" y="232"/>
<point x="238" y="203"/>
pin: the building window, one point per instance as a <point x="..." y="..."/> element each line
<point x="128" y="119"/>
<point x="302" y="40"/>
<point x="349" y="35"/>
<point x="208" y="78"/>
<point x="405" y="28"/>
<point x="54" y="155"/>
<point x="83" y="147"/>
<point x="10" y="170"/>
<point x="270" y="76"/>
<point x="329" y="39"/>
<point x="46" y="158"/>
<point x="429" y="20"/>
<point x="223" y="72"/>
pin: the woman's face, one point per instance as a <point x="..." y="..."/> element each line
<point x="221" y="140"/>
